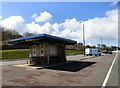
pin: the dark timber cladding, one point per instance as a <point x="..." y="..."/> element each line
<point x="45" y="49"/>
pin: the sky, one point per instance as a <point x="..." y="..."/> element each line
<point x="63" y="19"/>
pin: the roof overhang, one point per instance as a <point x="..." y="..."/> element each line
<point x="42" y="38"/>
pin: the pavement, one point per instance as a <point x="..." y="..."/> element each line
<point x="2" y="63"/>
<point x="80" y="71"/>
<point x="14" y="62"/>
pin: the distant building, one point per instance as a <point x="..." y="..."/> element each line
<point x="101" y="46"/>
<point x="45" y="49"/>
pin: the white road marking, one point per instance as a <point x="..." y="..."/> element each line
<point x="108" y="74"/>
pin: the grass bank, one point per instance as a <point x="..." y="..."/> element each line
<point x="74" y="52"/>
<point x="15" y="54"/>
<point x="24" y="53"/>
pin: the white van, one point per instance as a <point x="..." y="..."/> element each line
<point x="92" y="51"/>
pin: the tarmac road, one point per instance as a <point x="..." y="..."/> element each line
<point x="113" y="78"/>
<point x="3" y="63"/>
<point x="81" y="71"/>
<point x="14" y="62"/>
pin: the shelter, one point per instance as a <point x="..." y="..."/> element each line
<point x="45" y="49"/>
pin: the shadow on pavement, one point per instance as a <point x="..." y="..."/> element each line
<point x="72" y="66"/>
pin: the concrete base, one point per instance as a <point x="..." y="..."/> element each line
<point x="44" y="61"/>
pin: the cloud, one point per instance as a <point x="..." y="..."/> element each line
<point x="115" y="2"/>
<point x="43" y="17"/>
<point x="34" y="15"/>
<point x="71" y="28"/>
<point x="36" y="28"/>
<point x="0" y="17"/>
<point x="14" y="23"/>
<point x="107" y="27"/>
<point x="89" y="44"/>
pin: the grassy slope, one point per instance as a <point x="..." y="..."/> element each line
<point x="74" y="52"/>
<point x="24" y="53"/>
<point x="15" y="54"/>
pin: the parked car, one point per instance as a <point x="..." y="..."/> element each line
<point x="92" y="51"/>
<point x="107" y="52"/>
<point x="115" y="51"/>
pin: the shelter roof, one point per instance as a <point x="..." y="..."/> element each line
<point x="42" y="38"/>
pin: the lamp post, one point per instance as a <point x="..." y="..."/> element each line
<point x="83" y="37"/>
<point x="101" y="42"/>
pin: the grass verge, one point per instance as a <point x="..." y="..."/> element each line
<point x="24" y="53"/>
<point x="15" y="54"/>
<point x="74" y="52"/>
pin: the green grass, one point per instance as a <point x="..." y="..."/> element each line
<point x="74" y="52"/>
<point x="24" y="53"/>
<point x="15" y="54"/>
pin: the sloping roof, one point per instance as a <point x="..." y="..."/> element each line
<point x="42" y="38"/>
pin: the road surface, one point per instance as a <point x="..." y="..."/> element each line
<point x="80" y="71"/>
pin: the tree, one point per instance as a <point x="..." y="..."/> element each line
<point x="28" y="34"/>
<point x="81" y="44"/>
<point x="8" y="34"/>
<point x="99" y="45"/>
<point x="88" y="46"/>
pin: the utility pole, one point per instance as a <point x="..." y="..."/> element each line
<point x="108" y="43"/>
<point x="101" y="41"/>
<point x="84" y="38"/>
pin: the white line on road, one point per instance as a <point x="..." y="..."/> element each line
<point x="108" y="74"/>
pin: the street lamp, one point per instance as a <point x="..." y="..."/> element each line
<point x="83" y="37"/>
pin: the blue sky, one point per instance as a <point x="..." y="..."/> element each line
<point x="60" y="11"/>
